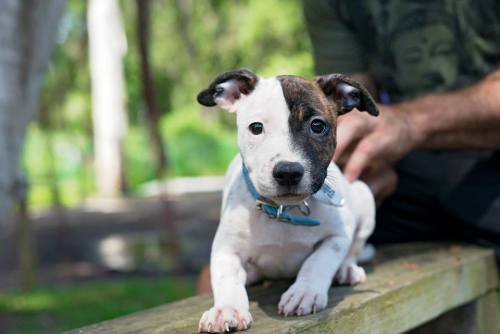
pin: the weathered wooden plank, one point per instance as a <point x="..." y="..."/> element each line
<point x="407" y="285"/>
<point x="476" y="317"/>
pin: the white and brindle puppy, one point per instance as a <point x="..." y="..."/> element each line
<point x="312" y="223"/>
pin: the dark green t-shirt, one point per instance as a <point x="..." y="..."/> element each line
<point x="410" y="47"/>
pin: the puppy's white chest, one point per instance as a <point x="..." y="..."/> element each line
<point x="275" y="261"/>
<point x="278" y="249"/>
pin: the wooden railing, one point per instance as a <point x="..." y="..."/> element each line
<point x="421" y="288"/>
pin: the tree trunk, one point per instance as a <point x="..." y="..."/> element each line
<point x="27" y="33"/>
<point x="152" y="113"/>
<point x="107" y="46"/>
<point x="183" y="8"/>
<point x="27" y="259"/>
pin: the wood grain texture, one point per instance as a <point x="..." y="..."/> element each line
<point x="407" y="285"/>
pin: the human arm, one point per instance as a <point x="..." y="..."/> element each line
<point x="465" y="119"/>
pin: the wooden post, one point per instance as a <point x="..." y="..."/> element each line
<point x="486" y="316"/>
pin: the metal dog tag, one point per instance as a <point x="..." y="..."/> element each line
<point x="328" y="195"/>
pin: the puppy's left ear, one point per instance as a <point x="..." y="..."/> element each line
<point x="227" y="88"/>
<point x="347" y="93"/>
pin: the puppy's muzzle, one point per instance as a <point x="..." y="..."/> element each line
<point x="288" y="173"/>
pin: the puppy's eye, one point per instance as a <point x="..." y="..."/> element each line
<point x="319" y="127"/>
<point x="256" y="128"/>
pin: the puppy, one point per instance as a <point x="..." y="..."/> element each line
<point x="287" y="210"/>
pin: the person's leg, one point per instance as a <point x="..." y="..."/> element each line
<point x="425" y="205"/>
<point x="474" y="203"/>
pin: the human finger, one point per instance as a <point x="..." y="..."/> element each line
<point x="364" y="152"/>
<point x="348" y="134"/>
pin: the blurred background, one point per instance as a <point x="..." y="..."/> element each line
<point x="119" y="193"/>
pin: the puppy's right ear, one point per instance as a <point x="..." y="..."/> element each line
<point x="347" y="93"/>
<point x="227" y="88"/>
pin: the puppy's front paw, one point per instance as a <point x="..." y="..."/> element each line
<point x="350" y="273"/>
<point x="224" y="319"/>
<point x="302" y="299"/>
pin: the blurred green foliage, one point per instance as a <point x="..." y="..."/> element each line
<point x="191" y="42"/>
<point x="58" y="309"/>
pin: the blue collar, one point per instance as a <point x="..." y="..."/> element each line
<point x="279" y="212"/>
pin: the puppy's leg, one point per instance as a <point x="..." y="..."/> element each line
<point x="309" y="293"/>
<point x="231" y="307"/>
<point x="349" y="272"/>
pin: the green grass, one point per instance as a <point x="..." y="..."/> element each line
<point x="53" y="310"/>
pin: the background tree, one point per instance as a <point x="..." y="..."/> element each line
<point x="108" y="45"/>
<point x="28" y="32"/>
<point x="151" y="112"/>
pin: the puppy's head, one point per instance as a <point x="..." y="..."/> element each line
<point x="286" y="126"/>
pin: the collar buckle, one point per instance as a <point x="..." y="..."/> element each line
<point x="279" y="212"/>
<point x="304" y="208"/>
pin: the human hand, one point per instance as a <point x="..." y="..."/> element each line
<point x="362" y="139"/>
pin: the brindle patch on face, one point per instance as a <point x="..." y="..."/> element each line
<point x="306" y="100"/>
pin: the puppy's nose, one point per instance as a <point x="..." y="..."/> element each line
<point x="288" y="173"/>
